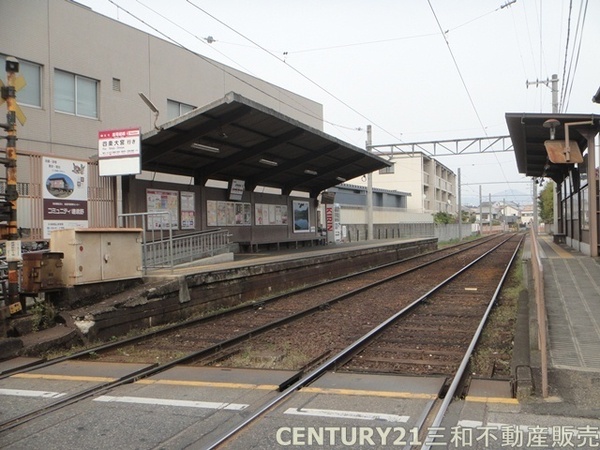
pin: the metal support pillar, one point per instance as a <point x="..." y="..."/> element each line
<point x="592" y="193"/>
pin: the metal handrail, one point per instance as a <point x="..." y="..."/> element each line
<point x="538" y="280"/>
<point x="161" y="250"/>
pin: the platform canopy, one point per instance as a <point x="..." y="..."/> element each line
<point x="529" y="133"/>
<point x="238" y="139"/>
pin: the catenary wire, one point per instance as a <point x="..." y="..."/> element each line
<point x="295" y="70"/>
<point x="219" y="66"/>
<point x="465" y="85"/>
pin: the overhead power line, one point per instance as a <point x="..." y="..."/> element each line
<point x="293" y="68"/>
<point x="220" y="66"/>
<point x="464" y="83"/>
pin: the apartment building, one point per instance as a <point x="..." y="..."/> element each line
<point x="432" y="185"/>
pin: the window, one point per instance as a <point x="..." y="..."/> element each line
<point x="385" y="170"/>
<point x="31" y="94"/>
<point x="176" y="109"/>
<point x="74" y="94"/>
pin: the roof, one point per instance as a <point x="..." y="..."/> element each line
<point x="528" y="135"/>
<point x="358" y="187"/>
<point x="237" y="138"/>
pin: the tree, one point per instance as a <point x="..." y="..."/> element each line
<point x="443" y="218"/>
<point x="546" y="203"/>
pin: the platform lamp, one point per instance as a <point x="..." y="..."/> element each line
<point x="153" y="108"/>
<point x="552" y="124"/>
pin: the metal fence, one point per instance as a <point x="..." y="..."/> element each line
<point x="202" y="244"/>
<point x="160" y="249"/>
<point x="101" y="195"/>
<point x="538" y="280"/>
<point x="444" y="232"/>
<point x="157" y="242"/>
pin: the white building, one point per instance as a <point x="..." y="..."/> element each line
<point x="502" y="212"/>
<point x="432" y="186"/>
<point x="527" y="215"/>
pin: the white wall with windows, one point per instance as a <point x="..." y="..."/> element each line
<point x="176" y="109"/>
<point x="75" y="94"/>
<point x="431" y="184"/>
<point x="84" y="72"/>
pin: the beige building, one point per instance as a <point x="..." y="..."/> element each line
<point x="226" y="149"/>
<point x="84" y="72"/>
<point x="432" y="186"/>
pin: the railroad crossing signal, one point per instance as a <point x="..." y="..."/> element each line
<point x="18" y="84"/>
<point x="8" y="210"/>
<point x="5" y="211"/>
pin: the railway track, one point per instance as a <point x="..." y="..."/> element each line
<point x="211" y="331"/>
<point x="419" y="309"/>
<point x="285" y="311"/>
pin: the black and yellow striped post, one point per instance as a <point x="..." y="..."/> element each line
<point x="9" y="206"/>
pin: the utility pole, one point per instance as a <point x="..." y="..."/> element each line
<point x="9" y="206"/>
<point x="369" y="190"/>
<point x="553" y="84"/>
<point x="504" y="215"/>
<point x="480" y="213"/>
<point x="459" y="209"/>
<point x="490" y="197"/>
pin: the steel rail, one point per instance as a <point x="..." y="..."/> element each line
<point x="343" y="354"/>
<point x="241" y="308"/>
<point x="429" y="440"/>
<point x="154" y="369"/>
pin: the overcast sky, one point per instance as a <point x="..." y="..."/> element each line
<point x="416" y="70"/>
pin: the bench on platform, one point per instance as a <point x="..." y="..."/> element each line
<point x="560" y="238"/>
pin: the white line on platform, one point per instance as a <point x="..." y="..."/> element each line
<point x="346" y="414"/>
<point x="27" y="393"/>
<point x="169" y="402"/>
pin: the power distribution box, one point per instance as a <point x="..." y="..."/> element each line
<point x="93" y="255"/>
<point x="42" y="271"/>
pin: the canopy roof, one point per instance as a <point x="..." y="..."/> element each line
<point x="528" y="134"/>
<point x="237" y="138"/>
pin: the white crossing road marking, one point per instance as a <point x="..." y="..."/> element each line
<point x="346" y="414"/>
<point x="169" y="402"/>
<point x="28" y="393"/>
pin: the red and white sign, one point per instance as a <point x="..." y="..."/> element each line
<point x="119" y="151"/>
<point x="115" y="143"/>
<point x="329" y="217"/>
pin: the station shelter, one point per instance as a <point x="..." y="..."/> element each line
<point x="243" y="167"/>
<point x="562" y="147"/>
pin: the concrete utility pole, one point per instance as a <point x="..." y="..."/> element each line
<point x="459" y="209"/>
<point x="490" y="197"/>
<point x="504" y="215"/>
<point x="480" y="213"/>
<point x="369" y="190"/>
<point x="553" y="83"/>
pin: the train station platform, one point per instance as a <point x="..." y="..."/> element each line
<point x="572" y="296"/>
<point x="572" y="292"/>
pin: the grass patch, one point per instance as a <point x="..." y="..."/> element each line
<point x="268" y="356"/>
<point x="493" y="354"/>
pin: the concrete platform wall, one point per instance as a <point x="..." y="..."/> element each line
<point x="179" y="298"/>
